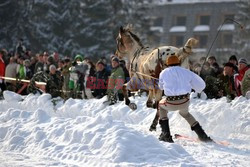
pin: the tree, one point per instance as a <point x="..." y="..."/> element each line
<point x="71" y="27"/>
<point x="242" y="37"/>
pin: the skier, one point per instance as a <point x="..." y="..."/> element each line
<point x="177" y="83"/>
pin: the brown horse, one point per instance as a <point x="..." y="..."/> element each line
<point x="145" y="65"/>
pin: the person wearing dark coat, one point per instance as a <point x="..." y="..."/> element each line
<point x="101" y="80"/>
<point x="55" y="82"/>
<point x="226" y="82"/>
<point x="233" y="59"/>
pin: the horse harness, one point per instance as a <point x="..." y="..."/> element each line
<point x="134" y="70"/>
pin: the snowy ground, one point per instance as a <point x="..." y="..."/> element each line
<point x="34" y="132"/>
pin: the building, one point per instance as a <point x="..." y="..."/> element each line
<point x="177" y="20"/>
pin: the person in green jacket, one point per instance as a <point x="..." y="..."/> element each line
<point x="115" y="82"/>
<point x="245" y="88"/>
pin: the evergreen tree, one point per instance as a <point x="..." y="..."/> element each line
<point x="70" y="27"/>
<point x="242" y="37"/>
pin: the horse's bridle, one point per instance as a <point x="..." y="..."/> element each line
<point x="119" y="42"/>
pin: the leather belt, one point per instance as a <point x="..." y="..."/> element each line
<point x="173" y="98"/>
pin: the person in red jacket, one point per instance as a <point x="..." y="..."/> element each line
<point x="243" y="67"/>
<point x="2" y="70"/>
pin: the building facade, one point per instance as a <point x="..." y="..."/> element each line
<point x="173" y="23"/>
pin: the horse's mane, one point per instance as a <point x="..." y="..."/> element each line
<point x="135" y="37"/>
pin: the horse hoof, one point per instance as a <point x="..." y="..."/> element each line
<point x="154" y="106"/>
<point x="152" y="128"/>
<point x="149" y="104"/>
<point x="127" y="102"/>
<point x="132" y="106"/>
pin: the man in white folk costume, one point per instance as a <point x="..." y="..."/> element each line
<point x="177" y="83"/>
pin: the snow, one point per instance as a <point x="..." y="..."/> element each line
<point x="36" y="130"/>
<point x="157" y="28"/>
<point x="227" y="27"/>
<point x="201" y="28"/>
<point x="178" y="29"/>
<point x="162" y="2"/>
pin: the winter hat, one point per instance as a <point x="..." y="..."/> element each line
<point x="66" y="60"/>
<point x="115" y="59"/>
<point x="78" y="57"/>
<point x="211" y="58"/>
<point x="26" y="62"/>
<point x="52" y="66"/>
<point x="228" y="64"/>
<point x="172" y="60"/>
<point x="50" y="59"/>
<point x="233" y="57"/>
<point x="100" y="62"/>
<point x="242" y="61"/>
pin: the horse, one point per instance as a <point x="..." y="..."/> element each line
<point x="146" y="65"/>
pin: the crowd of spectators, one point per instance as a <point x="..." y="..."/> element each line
<point x="106" y="77"/>
<point x="226" y="79"/>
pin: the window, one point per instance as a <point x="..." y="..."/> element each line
<point x="227" y="40"/>
<point x="177" y="40"/>
<point x="204" y="20"/>
<point x="229" y="16"/>
<point x="180" y="21"/>
<point x="203" y="39"/>
<point x="158" y="22"/>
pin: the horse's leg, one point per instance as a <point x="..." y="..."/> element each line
<point x="150" y="97"/>
<point x="158" y="95"/>
<point x="125" y="94"/>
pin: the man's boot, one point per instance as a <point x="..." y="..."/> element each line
<point x="165" y="134"/>
<point x="200" y="132"/>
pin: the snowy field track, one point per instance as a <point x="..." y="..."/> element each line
<point x="36" y="130"/>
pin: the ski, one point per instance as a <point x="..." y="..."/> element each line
<point x="195" y="139"/>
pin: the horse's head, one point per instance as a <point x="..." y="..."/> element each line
<point x="127" y="42"/>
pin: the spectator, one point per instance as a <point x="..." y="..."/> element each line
<point x="2" y="70"/>
<point x="226" y="82"/>
<point x="39" y="65"/>
<point x="45" y="61"/>
<point x="92" y="67"/>
<point x="56" y="58"/>
<point x="60" y="65"/>
<point x="78" y="58"/>
<point x="242" y="66"/>
<point x="245" y="89"/>
<point x="20" y="48"/>
<point x="202" y="60"/>
<point x="27" y="54"/>
<point x="206" y="71"/>
<point x="211" y="60"/>
<point x="101" y="80"/>
<point x="196" y="68"/>
<point x="33" y="61"/>
<point x="54" y="83"/>
<point x="21" y="69"/>
<point x="107" y="66"/>
<point x="11" y="72"/>
<point x="115" y="83"/>
<point x="66" y="74"/>
<point x="234" y="61"/>
<point x="216" y="70"/>
<point x="125" y="70"/>
<point x="29" y="73"/>
<point x="51" y="61"/>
